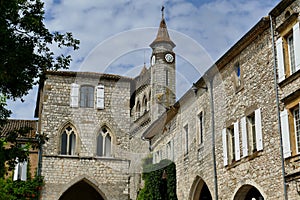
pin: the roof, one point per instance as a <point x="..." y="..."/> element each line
<point x="162" y="34"/>
<point x="88" y="74"/>
<point x="15" y="124"/>
<point x="281" y="6"/>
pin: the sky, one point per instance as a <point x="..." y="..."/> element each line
<point x="115" y="35"/>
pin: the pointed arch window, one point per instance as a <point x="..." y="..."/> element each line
<point x="145" y="104"/>
<point x="138" y="109"/>
<point x="68" y="141"/>
<point x="104" y="143"/>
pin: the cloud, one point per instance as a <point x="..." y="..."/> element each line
<point x="211" y="27"/>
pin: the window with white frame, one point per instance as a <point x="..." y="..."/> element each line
<point x="251" y="127"/>
<point x="104" y="143"/>
<point x="296" y="117"/>
<point x="68" y="141"/>
<point x="87" y="96"/>
<point x="230" y="144"/>
<point x="291" y="53"/>
<point x="251" y="135"/>
<point x="290" y="128"/>
<point x="20" y="171"/>
<point x="288" y="52"/>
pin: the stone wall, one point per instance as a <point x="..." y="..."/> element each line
<point x="109" y="174"/>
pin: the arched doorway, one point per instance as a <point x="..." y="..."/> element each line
<point x="200" y="190"/>
<point x="81" y="190"/>
<point x="248" y="192"/>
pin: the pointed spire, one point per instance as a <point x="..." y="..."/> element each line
<point x="162" y="34"/>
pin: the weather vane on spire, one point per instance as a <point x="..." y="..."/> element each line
<point x="162" y="11"/>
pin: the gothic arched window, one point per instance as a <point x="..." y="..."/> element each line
<point x="138" y="109"/>
<point x="145" y="104"/>
<point x="68" y="141"/>
<point x="104" y="143"/>
<point x="87" y="96"/>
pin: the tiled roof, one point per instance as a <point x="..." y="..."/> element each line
<point x="14" y="124"/>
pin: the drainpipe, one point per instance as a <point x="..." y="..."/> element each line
<point x="213" y="135"/>
<point x="278" y="111"/>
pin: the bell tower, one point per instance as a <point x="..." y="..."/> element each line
<point x="163" y="84"/>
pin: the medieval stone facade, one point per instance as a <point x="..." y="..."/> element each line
<point x="231" y="136"/>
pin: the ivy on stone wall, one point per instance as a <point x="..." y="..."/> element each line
<point x="159" y="181"/>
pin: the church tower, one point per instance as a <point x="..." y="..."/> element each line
<point x="163" y="90"/>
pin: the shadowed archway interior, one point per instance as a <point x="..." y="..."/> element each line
<point x="200" y="191"/>
<point x="81" y="190"/>
<point x="248" y="192"/>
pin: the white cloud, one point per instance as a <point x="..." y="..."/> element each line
<point x="211" y="27"/>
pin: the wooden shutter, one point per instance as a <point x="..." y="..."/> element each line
<point x="258" y="130"/>
<point x="280" y="60"/>
<point x="244" y="137"/>
<point x="100" y="97"/>
<point x="237" y="141"/>
<point x="296" y="35"/>
<point x="17" y="170"/>
<point x="285" y="132"/>
<point x="225" y="154"/>
<point x="24" y="171"/>
<point x="74" y="96"/>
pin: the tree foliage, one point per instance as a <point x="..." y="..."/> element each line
<point x="24" y="50"/>
<point x="159" y="181"/>
<point x="25" y="55"/>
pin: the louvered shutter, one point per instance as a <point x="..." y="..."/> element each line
<point x="280" y="60"/>
<point x="224" y="139"/>
<point x="296" y="35"/>
<point x="16" y="171"/>
<point x="100" y="97"/>
<point x="237" y="141"/>
<point x="244" y="137"/>
<point x="285" y="131"/>
<point x="74" y="96"/>
<point x="23" y="171"/>
<point x="258" y="130"/>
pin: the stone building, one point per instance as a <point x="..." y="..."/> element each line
<point x="224" y="133"/>
<point x="25" y="131"/>
<point x="232" y="135"/>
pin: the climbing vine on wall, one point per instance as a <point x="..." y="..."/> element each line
<point x="159" y="181"/>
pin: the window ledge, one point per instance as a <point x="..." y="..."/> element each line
<point x="289" y="79"/>
<point x="244" y="159"/>
<point x="86" y="157"/>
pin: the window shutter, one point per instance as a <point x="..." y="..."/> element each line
<point x="285" y="131"/>
<point x="258" y="130"/>
<point x="224" y="138"/>
<point x="24" y="171"/>
<point x="280" y="60"/>
<point x="100" y="96"/>
<point x="74" y="96"/>
<point x="16" y="171"/>
<point x="296" y="35"/>
<point x="237" y="141"/>
<point x="244" y="137"/>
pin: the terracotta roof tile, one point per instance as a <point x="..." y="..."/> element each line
<point x="14" y="124"/>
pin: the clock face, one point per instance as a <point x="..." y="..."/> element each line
<point x="169" y="57"/>
<point x="153" y="60"/>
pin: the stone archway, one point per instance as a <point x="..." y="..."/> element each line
<point x="81" y="190"/>
<point x="200" y="190"/>
<point x="248" y="192"/>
